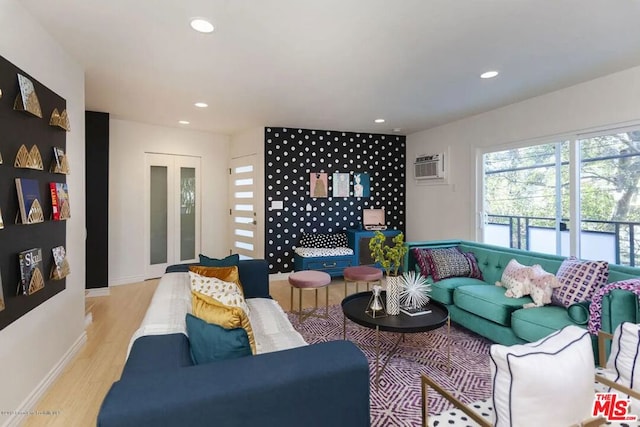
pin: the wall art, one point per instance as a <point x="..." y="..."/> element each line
<point x="318" y="185"/>
<point x="361" y="184"/>
<point x="340" y="184"/>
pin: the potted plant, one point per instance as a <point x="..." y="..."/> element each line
<point x="390" y="258"/>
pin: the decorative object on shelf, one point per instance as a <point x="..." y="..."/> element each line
<point x="340" y="184"/>
<point x="0" y="93"/>
<point x="60" y="120"/>
<point x="318" y="185"/>
<point x="29" y="201"/>
<point x="60" y="163"/>
<point x="27" y="100"/>
<point x="375" y="307"/>
<point x="415" y="290"/>
<point x="1" y="221"/>
<point x="60" y="201"/>
<point x="31" y="278"/>
<point x="390" y="258"/>
<point x="361" y="184"/>
<point x="60" y="268"/>
<point x="28" y="159"/>
<point x="35" y="159"/>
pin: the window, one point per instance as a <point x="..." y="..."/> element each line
<point x="609" y="210"/>
<point x="526" y="199"/>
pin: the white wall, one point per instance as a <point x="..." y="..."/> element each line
<point x="248" y="143"/>
<point x="448" y="211"/>
<point x="32" y="347"/>
<point x="128" y="142"/>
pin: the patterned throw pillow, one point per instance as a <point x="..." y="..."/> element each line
<point x="341" y="240"/>
<point x="422" y="262"/>
<point x="473" y="265"/>
<point x="317" y="240"/>
<point x="447" y="262"/>
<point x="227" y="293"/>
<point x="579" y="280"/>
<point x="227" y="274"/>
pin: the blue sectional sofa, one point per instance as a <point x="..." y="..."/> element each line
<point x="323" y="384"/>
<point x="482" y="307"/>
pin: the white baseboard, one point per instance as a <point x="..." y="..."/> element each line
<point x="28" y="405"/>
<point x="127" y="280"/>
<point x="97" y="292"/>
<point x="88" y="319"/>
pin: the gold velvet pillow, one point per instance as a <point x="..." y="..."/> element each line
<point x="227" y="274"/>
<point x="213" y="311"/>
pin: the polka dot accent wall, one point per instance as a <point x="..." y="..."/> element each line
<point x="291" y="155"/>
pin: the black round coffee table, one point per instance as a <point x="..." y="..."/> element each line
<point x="354" y="307"/>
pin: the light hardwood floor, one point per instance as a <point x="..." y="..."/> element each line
<point x="75" y="397"/>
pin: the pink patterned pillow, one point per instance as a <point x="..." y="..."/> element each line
<point x="516" y="275"/>
<point x="579" y="280"/>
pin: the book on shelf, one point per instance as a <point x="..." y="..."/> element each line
<point x="410" y="311"/>
<point x="60" y="162"/>
<point x="31" y="278"/>
<point x="60" y="268"/>
<point x="60" y="201"/>
<point x="29" y="200"/>
<point x="1" y="222"/>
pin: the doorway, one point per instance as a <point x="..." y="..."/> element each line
<point x="173" y="211"/>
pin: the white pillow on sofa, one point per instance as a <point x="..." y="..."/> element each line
<point x="624" y="357"/>
<point x="544" y="383"/>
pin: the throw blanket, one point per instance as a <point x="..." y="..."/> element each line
<point x="595" y="309"/>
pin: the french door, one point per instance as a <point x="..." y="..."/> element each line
<point x="173" y="211"/>
<point x="242" y="192"/>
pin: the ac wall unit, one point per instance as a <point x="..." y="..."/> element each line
<point x="429" y="167"/>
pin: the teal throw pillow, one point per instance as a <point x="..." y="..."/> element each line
<point x="210" y="343"/>
<point x="230" y="261"/>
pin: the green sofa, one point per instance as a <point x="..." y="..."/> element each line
<point x="481" y="306"/>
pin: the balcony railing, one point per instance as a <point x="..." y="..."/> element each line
<point x="612" y="241"/>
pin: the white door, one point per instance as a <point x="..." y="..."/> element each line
<point x="242" y="191"/>
<point x="173" y="211"/>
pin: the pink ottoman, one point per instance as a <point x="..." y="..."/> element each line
<point x="361" y="273"/>
<point x="309" y="279"/>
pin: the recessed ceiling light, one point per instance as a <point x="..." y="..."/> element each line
<point x="397" y="129"/>
<point x="201" y="25"/>
<point x="183" y="122"/>
<point x="379" y="120"/>
<point x="201" y="104"/>
<point x="489" y="75"/>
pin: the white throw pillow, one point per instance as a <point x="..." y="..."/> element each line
<point x="624" y="357"/>
<point x="544" y="383"/>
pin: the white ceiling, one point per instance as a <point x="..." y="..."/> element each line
<point x="334" y="64"/>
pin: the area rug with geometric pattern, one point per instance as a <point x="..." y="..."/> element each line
<point x="397" y="400"/>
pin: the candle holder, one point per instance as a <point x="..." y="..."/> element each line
<point x="375" y="307"/>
